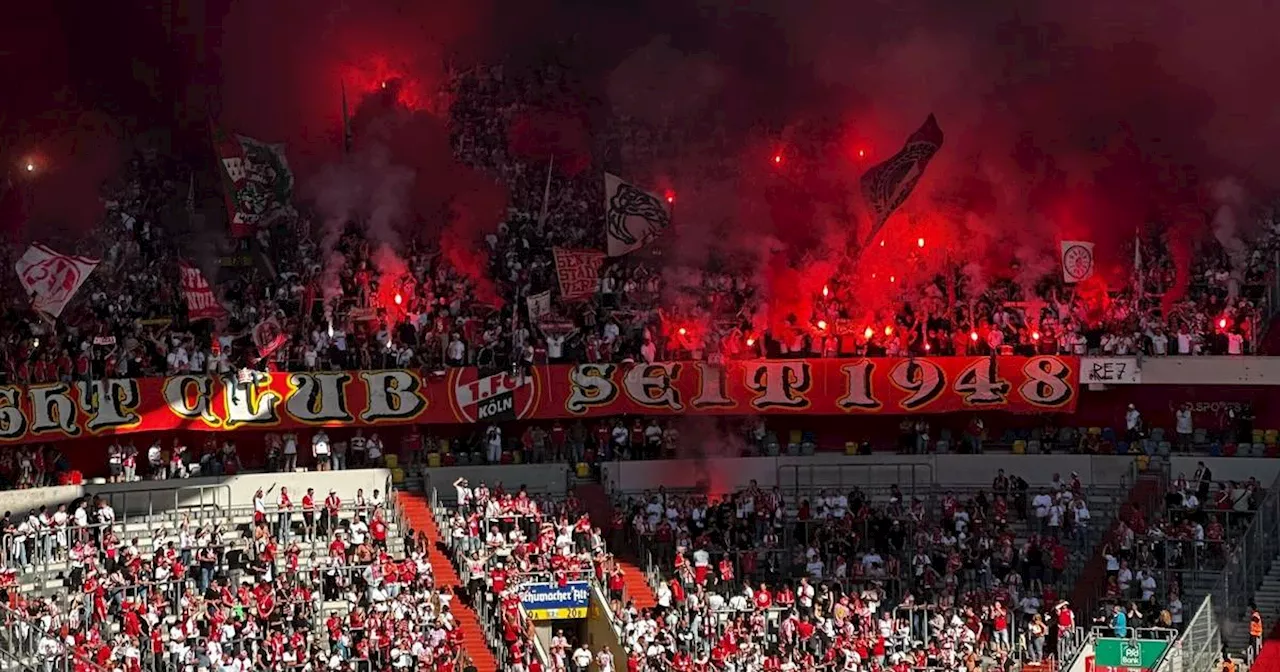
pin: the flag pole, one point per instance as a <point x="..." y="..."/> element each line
<point x="346" y="122"/>
<point x="1137" y="264"/>
<point x="546" y="194"/>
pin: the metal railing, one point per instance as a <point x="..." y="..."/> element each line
<point x="25" y="644"/>
<point x="909" y="476"/>
<point x="1248" y="558"/>
<point x="1200" y="645"/>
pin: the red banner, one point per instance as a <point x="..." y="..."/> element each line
<point x="201" y="304"/>
<point x="370" y="398"/>
<point x="578" y="272"/>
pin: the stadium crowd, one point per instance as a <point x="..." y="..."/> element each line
<point x="760" y="580"/>
<point x="431" y="313"/>
<point x="307" y="584"/>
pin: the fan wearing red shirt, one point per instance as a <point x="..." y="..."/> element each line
<point x="378" y="531"/>
<point x="309" y="514"/>
<point x="337" y="548"/>
<point x="616" y="583"/>
<point x="41" y="372"/>
<point x="764" y="599"/>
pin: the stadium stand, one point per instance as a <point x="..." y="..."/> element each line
<point x="788" y="577"/>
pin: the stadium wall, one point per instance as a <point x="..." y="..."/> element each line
<point x="145" y="497"/>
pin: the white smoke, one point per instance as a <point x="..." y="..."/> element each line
<point x="367" y="189"/>
<point x="1229" y="221"/>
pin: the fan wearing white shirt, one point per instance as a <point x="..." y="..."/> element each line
<point x="290" y="452"/>
<point x="320" y="449"/>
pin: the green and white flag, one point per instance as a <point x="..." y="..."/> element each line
<point x="256" y="179"/>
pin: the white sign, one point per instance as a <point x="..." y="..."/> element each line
<point x="539" y="306"/>
<point x="1077" y="260"/>
<point x="1110" y="371"/>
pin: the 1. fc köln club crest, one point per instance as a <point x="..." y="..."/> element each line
<point x="495" y="398"/>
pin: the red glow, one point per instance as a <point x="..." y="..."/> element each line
<point x="825" y="290"/>
<point x="1035" y="335"/>
<point x="376" y="75"/>
<point x="868" y="332"/>
<point x="920" y="242"/>
<point x="399" y="299"/>
<point x="1222" y="324"/>
<point x="777" y="159"/>
<point x="927" y="347"/>
<point x="882" y="243"/>
<point x="682" y="331"/>
<point x="750" y="341"/>
<point x="973" y="335"/>
<point x="888" y="330"/>
<point x="862" y="153"/>
<point x="822" y="324"/>
<point x="670" y="196"/>
<point x="893" y="278"/>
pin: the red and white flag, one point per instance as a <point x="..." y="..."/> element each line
<point x="268" y="336"/>
<point x="52" y="278"/>
<point x="578" y="272"/>
<point x="201" y="303"/>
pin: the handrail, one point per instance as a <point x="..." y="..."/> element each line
<point x="1247" y="563"/>
<point x="22" y="649"/>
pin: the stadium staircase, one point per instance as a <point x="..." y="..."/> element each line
<point x="1147" y="495"/>
<point x="635" y="585"/>
<point x="417" y="513"/>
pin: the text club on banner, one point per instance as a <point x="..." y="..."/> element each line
<point x="1077" y="260"/>
<point x="50" y="278"/>
<point x="553" y="602"/>
<point x="303" y="401"/>
<point x="1110" y="371"/>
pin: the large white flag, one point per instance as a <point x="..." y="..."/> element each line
<point x="51" y="278"/>
<point x="633" y="216"/>
<point x="1077" y="260"/>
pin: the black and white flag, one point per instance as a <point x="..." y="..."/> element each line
<point x="633" y="216"/>
<point x="888" y="184"/>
